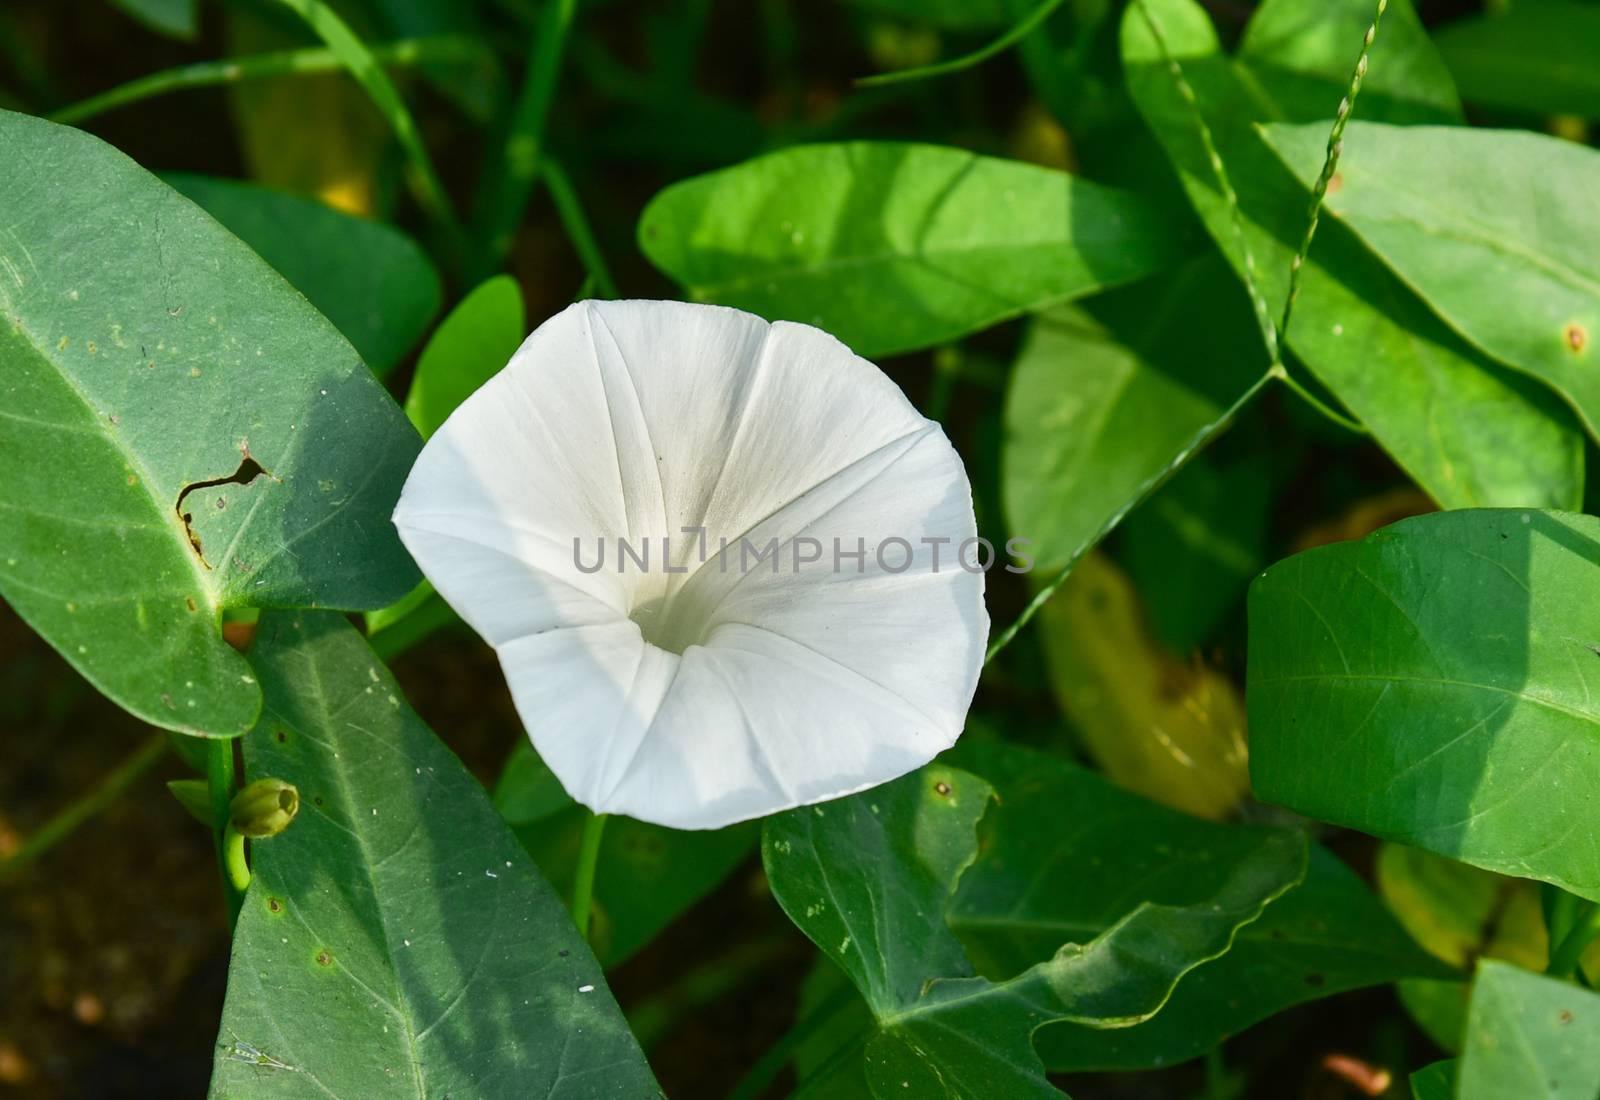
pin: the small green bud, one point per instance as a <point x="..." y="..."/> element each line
<point x="264" y="808"/>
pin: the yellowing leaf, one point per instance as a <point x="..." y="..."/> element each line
<point x="1171" y="730"/>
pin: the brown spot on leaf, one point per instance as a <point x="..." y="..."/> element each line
<point x="324" y="958"/>
<point x="942" y="787"/>
<point x="1335" y="182"/>
<point x="1577" y="336"/>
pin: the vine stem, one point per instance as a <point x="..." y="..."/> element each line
<point x="570" y="210"/>
<point x="314" y="59"/>
<point x="509" y="177"/>
<point x="220" y="783"/>
<point x="583" y="885"/>
<point x="355" y="57"/>
<point x="66" y="821"/>
<point x="1200" y="439"/>
<point x="1024" y="27"/>
<point x="1330" y="164"/>
<point x="1585" y="930"/>
<point x="1272" y="334"/>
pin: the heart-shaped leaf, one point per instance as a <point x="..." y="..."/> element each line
<point x="1437" y="683"/>
<point x="180" y="432"/>
<point x="892" y="246"/>
<point x="867" y="878"/>
<point x="396" y="940"/>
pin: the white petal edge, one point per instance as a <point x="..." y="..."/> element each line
<point x="639" y="419"/>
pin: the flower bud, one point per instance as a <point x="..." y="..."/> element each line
<point x="264" y="808"/>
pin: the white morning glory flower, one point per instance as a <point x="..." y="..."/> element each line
<point x="662" y="676"/>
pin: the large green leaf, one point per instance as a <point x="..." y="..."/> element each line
<point x="395" y="940"/>
<point x="369" y="279"/>
<point x="895" y="246"/>
<point x="867" y="878"/>
<point x="1045" y="878"/>
<point x="179" y="433"/>
<point x="1431" y="684"/>
<point x="1537" y="57"/>
<point x="1300" y="53"/>
<point x="646" y="877"/>
<point x="1531" y="1037"/>
<point x="1495" y="228"/>
<point x="1427" y="396"/>
<point x="1107" y="395"/>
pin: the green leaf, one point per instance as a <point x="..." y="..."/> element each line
<point x="369" y="279"/>
<point x="867" y="878"/>
<point x="395" y="940"/>
<point x="471" y="345"/>
<point x="173" y="18"/>
<point x="179" y="433"/>
<point x="1426" y="395"/>
<point x="1194" y="547"/>
<point x="1529" y="1036"/>
<point x="1105" y="395"/>
<point x="1430" y="684"/>
<point x="1044" y="878"/>
<point x="647" y="876"/>
<point x="1461" y="914"/>
<point x="893" y="247"/>
<point x="1491" y="227"/>
<point x="1300" y="53"/>
<point x="1435" y="1082"/>
<point x="1536" y="57"/>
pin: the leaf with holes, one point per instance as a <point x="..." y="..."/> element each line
<point x="892" y="246"/>
<point x="396" y="940"/>
<point x="1469" y="431"/>
<point x="1431" y="684"/>
<point x="180" y="433"/>
<point x="868" y="878"/>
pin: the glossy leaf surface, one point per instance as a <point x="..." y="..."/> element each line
<point x="395" y="940"/>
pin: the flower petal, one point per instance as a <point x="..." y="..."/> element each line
<point x="707" y="692"/>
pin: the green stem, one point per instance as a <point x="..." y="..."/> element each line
<point x="583" y="885"/>
<point x="766" y="1070"/>
<point x="316" y="59"/>
<point x="570" y="211"/>
<point x="221" y="783"/>
<point x="1585" y="930"/>
<point x="509" y="177"/>
<point x="1282" y="374"/>
<point x="1330" y="164"/>
<point x="363" y="65"/>
<point x="67" y="820"/>
<point x="1219" y="171"/>
<point x="234" y="865"/>
<point x="1024" y="27"/>
<point x="1204" y="436"/>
